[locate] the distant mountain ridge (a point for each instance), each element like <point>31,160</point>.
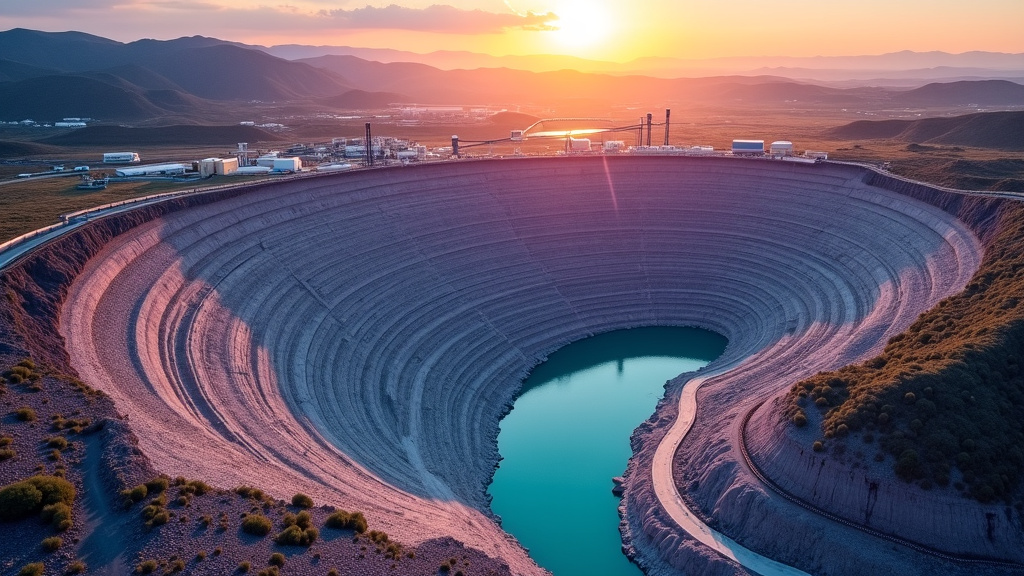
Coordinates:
<point>47,76</point>
<point>924,65</point>
<point>203,67</point>
<point>1001,130</point>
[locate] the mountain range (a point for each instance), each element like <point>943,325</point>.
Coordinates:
<point>48,76</point>
<point>895,66</point>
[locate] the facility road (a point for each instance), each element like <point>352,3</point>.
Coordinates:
<point>668,494</point>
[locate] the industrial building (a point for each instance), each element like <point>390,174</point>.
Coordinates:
<point>748,147</point>
<point>121,157</point>
<point>782,148</point>
<point>217,166</point>
<point>152,170</point>
<point>578,145</point>
<point>288,164</point>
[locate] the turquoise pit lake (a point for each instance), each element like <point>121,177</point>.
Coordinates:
<point>568,435</point>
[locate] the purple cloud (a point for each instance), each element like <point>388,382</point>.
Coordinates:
<point>437,18</point>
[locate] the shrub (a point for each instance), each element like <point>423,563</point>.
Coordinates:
<point>799,418</point>
<point>136,494</point>
<point>244,567</point>
<point>52,544</point>
<point>6,441</point>
<point>201,555</point>
<point>58,442</point>
<point>256,524</point>
<point>76,567</point>
<point>58,514</point>
<point>146,567</point>
<point>33,569</point>
<point>908,465</point>
<point>302,520</point>
<point>25,414</point>
<point>19,500</point>
<point>176,566</point>
<point>295,536</point>
<point>277,559</point>
<point>818,446</point>
<point>7,454</point>
<point>302,501</point>
<point>35,494</point>
<point>159,519</point>
<point>196,487</point>
<point>250,492</point>
<point>343,520</point>
<point>157,485</point>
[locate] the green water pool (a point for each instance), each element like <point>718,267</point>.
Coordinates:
<point>568,435</point>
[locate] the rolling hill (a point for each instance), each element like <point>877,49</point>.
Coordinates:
<point>1000,130</point>
<point>963,93</point>
<point>197,135</point>
<point>205,67</point>
<point>47,98</point>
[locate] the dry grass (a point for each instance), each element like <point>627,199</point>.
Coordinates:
<point>29,205</point>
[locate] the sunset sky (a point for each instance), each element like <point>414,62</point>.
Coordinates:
<point>597,29</point>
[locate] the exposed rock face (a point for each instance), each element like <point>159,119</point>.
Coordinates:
<point>359,337</point>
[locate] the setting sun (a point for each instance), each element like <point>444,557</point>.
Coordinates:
<point>581,23</point>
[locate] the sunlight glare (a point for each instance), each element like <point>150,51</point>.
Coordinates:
<point>582,23</point>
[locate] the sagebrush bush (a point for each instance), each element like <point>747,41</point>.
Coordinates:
<point>295,536</point>
<point>76,567</point>
<point>33,569</point>
<point>52,544</point>
<point>157,485</point>
<point>25,414</point>
<point>257,525</point>
<point>136,493</point>
<point>343,520</point>
<point>58,442</point>
<point>277,559</point>
<point>302,501</point>
<point>38,494</point>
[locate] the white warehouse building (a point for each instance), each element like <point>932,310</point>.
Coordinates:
<point>120,157</point>
<point>782,148</point>
<point>152,170</point>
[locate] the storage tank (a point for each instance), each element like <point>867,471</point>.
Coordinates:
<point>782,148</point>
<point>748,147</point>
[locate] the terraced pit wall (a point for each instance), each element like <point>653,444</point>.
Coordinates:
<point>358,337</point>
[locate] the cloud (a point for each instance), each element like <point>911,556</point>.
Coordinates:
<point>437,18</point>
